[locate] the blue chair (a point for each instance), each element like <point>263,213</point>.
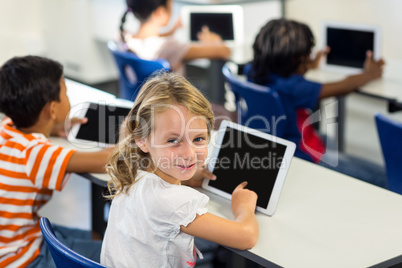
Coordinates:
<point>390,135</point>
<point>133,71</point>
<point>63,256</point>
<point>257,106</point>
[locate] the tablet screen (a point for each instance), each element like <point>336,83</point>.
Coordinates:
<point>103,123</point>
<point>348,46</point>
<point>246,157</point>
<point>220,23</point>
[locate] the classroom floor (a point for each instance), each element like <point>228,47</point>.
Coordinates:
<point>72,206</point>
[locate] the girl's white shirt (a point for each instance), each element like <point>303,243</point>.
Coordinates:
<point>144,225</point>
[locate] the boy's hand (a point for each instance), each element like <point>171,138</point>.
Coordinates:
<point>196,180</point>
<point>372,67</point>
<point>243,200</point>
<point>315,62</point>
<point>206,36</point>
<point>62,129</point>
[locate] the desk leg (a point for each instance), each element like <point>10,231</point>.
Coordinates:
<point>341,122</point>
<point>216,81</point>
<point>99,209</point>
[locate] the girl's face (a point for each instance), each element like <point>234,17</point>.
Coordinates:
<point>177,145</point>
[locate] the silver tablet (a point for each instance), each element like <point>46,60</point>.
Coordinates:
<point>349,43</point>
<point>104,120</point>
<point>242,154</point>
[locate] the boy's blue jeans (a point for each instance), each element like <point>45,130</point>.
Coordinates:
<point>78,240</point>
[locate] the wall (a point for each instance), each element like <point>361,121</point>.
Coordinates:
<point>21,30</point>
<point>68,31</point>
<point>385,13</point>
<point>361,137</point>
<point>58,29</point>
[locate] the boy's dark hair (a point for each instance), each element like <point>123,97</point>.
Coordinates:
<point>279,48</point>
<point>141,9</point>
<point>27,84</point>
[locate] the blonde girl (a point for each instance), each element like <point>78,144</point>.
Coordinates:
<point>153,217</point>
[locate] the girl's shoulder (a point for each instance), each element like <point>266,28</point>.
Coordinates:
<point>168,197</point>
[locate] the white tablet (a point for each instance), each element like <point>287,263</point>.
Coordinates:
<point>225,20</point>
<point>104,120</point>
<point>244,154</point>
<point>348,43</point>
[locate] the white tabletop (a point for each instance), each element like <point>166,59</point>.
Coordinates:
<point>323,219</point>
<point>389,86</point>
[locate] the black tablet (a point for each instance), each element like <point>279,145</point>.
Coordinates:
<point>349,43</point>
<point>104,121</point>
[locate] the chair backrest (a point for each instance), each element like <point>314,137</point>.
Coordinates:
<point>257,106</point>
<point>390,135</point>
<point>63,256</point>
<point>133,71</point>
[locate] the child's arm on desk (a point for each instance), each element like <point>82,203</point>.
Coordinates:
<point>241,233</point>
<point>372,70</point>
<point>80,162</point>
<point>92,162</point>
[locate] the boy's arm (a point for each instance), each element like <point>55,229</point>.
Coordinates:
<point>372,70</point>
<point>241,233</point>
<point>92,162</point>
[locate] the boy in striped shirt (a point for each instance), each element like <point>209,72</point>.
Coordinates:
<point>33,97</point>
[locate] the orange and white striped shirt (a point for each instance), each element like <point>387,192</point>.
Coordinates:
<point>30,169</point>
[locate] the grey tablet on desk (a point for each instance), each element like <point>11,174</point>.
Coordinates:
<point>104,121</point>
<point>244,154</point>
<point>348,43</point>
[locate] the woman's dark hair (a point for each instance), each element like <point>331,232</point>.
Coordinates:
<point>279,48</point>
<point>142,10</point>
<point>27,84</point>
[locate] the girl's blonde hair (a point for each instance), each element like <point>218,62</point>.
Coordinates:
<point>156,95</point>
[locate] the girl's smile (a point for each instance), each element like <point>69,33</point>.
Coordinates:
<point>185,168</point>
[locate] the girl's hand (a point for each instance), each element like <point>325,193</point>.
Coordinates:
<point>243,200</point>
<point>196,180</point>
<point>206,36</point>
<point>62,129</point>
<point>373,68</point>
<point>176,26</point>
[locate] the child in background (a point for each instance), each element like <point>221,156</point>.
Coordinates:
<point>281,58</point>
<point>149,44</point>
<point>33,97</point>
<point>153,217</point>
